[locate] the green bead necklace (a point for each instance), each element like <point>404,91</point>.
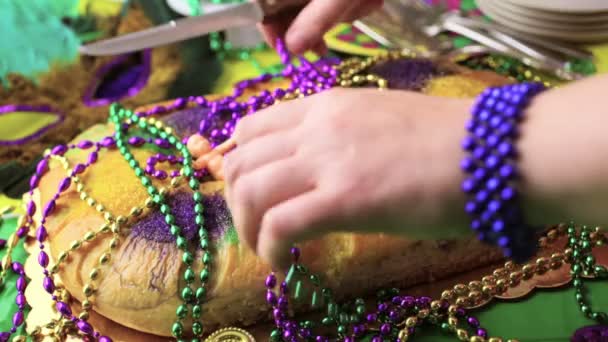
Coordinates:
<point>191,298</point>
<point>340,317</point>
<point>584,264</point>
<point>195,8</point>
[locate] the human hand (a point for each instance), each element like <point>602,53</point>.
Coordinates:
<point>346,159</point>
<point>204,157</point>
<point>304,30</point>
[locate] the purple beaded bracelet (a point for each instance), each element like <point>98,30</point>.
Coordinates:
<point>496,215</point>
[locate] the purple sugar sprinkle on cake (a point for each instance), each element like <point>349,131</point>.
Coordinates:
<point>217,219</point>
<point>186,122</point>
<point>406,74</point>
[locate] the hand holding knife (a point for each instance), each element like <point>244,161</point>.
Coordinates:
<point>247,13</point>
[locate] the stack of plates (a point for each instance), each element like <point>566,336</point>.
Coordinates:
<point>567,20</point>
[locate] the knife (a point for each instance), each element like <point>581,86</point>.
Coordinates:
<point>243,14</point>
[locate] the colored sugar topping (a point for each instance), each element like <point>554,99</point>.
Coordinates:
<point>217,219</point>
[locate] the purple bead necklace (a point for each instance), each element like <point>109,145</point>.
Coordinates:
<point>19,316</point>
<point>306,79</point>
<point>395,317</point>
<point>42,235</point>
<point>219,123</point>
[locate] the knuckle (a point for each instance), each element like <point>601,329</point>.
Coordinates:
<point>242,193</point>
<point>243,125</point>
<point>274,224</point>
<point>270,221</point>
<point>230,167</point>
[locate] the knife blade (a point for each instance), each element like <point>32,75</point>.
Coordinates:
<point>243,14</point>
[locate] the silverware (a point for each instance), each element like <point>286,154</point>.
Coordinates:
<point>408,25</point>
<point>373,33</point>
<point>247,13</point>
<point>509,46</point>
<point>399,25</point>
<point>506,45</point>
<point>411,17</point>
<point>443,49</point>
<point>468,50</point>
<point>563,48</point>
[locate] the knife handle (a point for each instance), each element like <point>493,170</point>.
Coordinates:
<point>273,8</point>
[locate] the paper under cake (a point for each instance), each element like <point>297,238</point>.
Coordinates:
<point>136,291</point>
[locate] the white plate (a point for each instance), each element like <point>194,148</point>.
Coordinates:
<point>596,18</point>
<point>572,6</point>
<point>525,17</point>
<point>565,34</point>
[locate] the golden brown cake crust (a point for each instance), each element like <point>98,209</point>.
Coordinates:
<point>140,286</point>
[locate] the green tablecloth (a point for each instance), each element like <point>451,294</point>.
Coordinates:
<point>7,296</point>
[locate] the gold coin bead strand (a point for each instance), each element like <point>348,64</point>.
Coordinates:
<point>508,67</point>
<point>111,225</point>
<point>190,297</point>
<point>351,320</point>
<point>352,70</point>
<point>59,295</point>
<point>474,294</point>
<point>501,279</point>
<point>62,328</point>
<point>68,322</point>
<point>24,225</point>
<point>101,209</point>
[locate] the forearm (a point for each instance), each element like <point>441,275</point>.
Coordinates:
<point>564,154</point>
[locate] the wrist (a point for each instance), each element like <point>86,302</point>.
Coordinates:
<point>439,211</point>
<point>564,157</point>
<point>449,154</point>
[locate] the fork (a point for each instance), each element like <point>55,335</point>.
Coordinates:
<point>414,19</point>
